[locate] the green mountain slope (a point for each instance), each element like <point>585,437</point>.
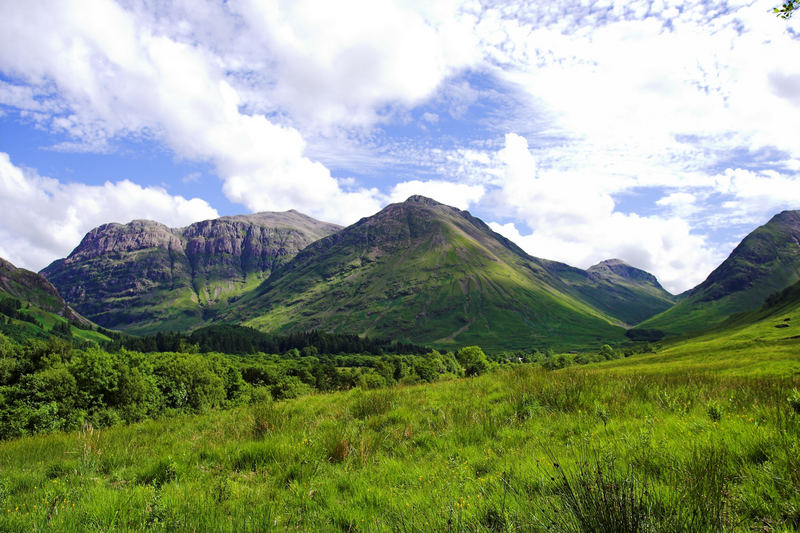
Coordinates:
<point>763,341</point>
<point>428,273</point>
<point>766,261</point>
<point>34,289</point>
<point>143,277</point>
<point>31,308</point>
<point>616,288</point>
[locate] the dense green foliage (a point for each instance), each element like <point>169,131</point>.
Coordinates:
<point>701,435</point>
<point>48,385</point>
<point>234,339</point>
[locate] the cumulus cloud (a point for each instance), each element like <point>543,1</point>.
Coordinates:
<point>42,219</point>
<point>340,62</point>
<point>118,74</point>
<point>574,220</point>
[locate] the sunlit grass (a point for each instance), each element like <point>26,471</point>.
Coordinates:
<point>465,455</point>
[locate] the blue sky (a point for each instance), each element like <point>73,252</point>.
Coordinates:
<point>659,132</point>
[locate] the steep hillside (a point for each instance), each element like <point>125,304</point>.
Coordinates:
<point>31,308</point>
<point>429,273</point>
<point>765,262</point>
<point>616,288</point>
<point>143,276</point>
<point>32,288</point>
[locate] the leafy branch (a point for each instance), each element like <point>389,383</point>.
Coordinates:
<point>787,9</point>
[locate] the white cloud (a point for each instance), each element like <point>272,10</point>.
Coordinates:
<point>755,196</point>
<point>458,195</point>
<point>573,219</point>
<point>118,74</point>
<point>682,204</point>
<point>339,63</point>
<point>651,100</point>
<point>42,219</point>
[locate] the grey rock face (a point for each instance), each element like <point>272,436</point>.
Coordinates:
<point>143,276</point>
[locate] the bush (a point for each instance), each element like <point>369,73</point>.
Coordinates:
<point>289,387</point>
<point>714,411</point>
<point>473,360</point>
<point>794,401</point>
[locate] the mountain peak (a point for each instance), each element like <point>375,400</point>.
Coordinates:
<point>624,270</point>
<point>121,275</point>
<point>610,263</point>
<point>419,199</point>
<point>791,218</point>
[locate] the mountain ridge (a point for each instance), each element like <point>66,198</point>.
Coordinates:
<point>766,261</point>
<point>144,276</point>
<point>426,272</point>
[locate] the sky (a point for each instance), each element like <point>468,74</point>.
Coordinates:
<point>658,132</point>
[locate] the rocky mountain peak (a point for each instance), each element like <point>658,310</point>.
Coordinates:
<point>123,275</point>
<point>618,267</point>
<point>419,199</point>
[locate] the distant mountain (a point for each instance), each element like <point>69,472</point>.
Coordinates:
<point>429,273</point>
<point>616,288</point>
<point>765,262</point>
<point>31,288</point>
<point>143,277</point>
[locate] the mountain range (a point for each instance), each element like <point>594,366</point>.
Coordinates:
<point>143,277</point>
<point>425,271</point>
<point>417,271</point>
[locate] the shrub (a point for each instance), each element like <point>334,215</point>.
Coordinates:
<point>289,387</point>
<point>794,401</point>
<point>714,411</point>
<point>473,360</point>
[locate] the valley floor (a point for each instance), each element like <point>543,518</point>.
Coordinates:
<point>607,447</point>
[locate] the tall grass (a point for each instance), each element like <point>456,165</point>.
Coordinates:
<point>635,452</point>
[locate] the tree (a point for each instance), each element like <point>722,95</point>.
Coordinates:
<point>787,9</point>
<point>473,360</point>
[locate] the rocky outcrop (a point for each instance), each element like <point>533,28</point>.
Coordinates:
<point>143,276</point>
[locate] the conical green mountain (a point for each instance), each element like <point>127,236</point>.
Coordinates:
<point>765,262</point>
<point>429,273</point>
<point>143,277</point>
<point>616,288</point>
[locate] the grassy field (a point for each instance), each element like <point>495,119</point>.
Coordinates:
<point>666,442</point>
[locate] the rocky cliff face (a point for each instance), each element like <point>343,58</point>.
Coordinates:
<point>143,276</point>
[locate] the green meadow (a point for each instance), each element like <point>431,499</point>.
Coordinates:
<point>703,435</point>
